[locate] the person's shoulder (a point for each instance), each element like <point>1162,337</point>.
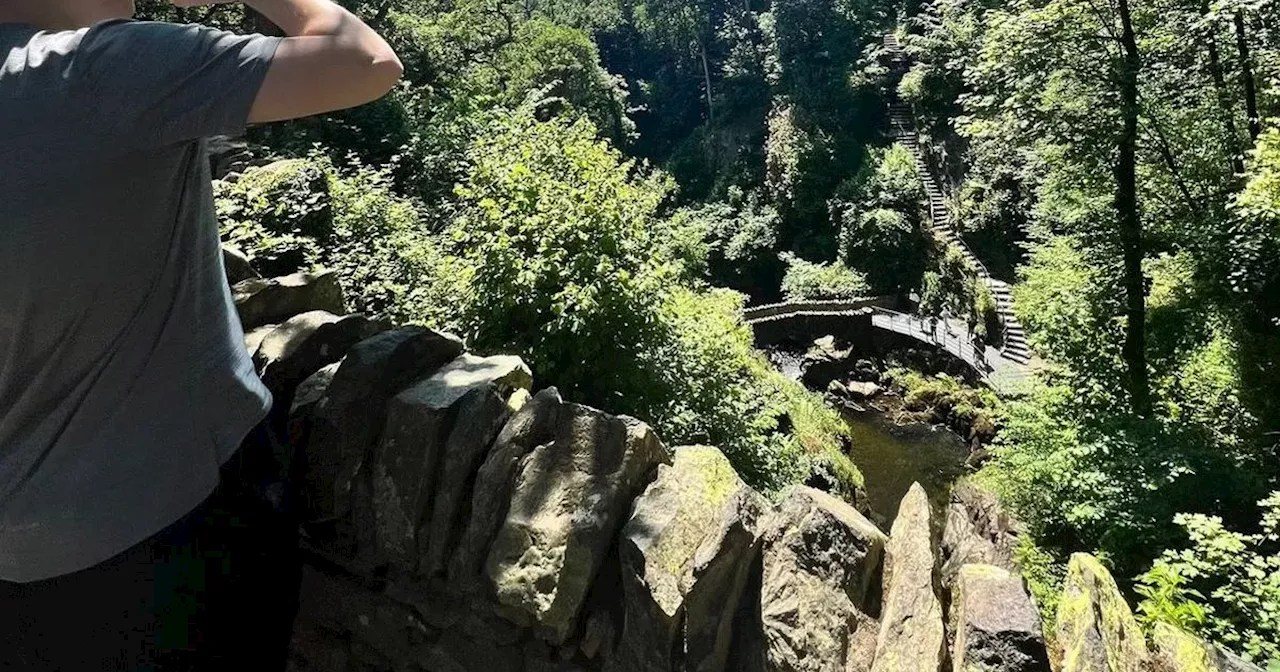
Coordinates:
<point>131,33</point>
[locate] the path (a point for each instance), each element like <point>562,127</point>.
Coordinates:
<point>1015,349</point>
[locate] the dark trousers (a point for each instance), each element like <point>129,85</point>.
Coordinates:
<point>216,590</point>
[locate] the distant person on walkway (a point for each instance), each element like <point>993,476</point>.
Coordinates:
<point>125,389</point>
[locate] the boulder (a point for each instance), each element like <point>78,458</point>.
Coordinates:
<point>304,344</point>
<point>1180,651</point>
<point>532,425</point>
<point>911,629</point>
<point>995,624</point>
<point>425,424</point>
<point>976,531</point>
<point>570,498</point>
<point>862,391</point>
<point>305,400</point>
<point>1095,628</point>
<point>1176,650</point>
<point>820,560</point>
<point>685,555</point>
<point>254,337</point>
<point>352,413</point>
<point>275,300</point>
<point>236,265</point>
<point>824,362</point>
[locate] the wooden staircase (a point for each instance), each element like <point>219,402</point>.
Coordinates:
<point>903,130</point>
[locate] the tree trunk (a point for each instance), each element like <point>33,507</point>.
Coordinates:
<point>706,74</point>
<point>1220,91</point>
<point>1246,77</point>
<point>1126,203</point>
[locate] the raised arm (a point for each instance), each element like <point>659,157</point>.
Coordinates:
<point>330,60</point>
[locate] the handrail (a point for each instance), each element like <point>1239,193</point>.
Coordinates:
<point>892,43</point>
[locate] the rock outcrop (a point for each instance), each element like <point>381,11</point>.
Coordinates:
<point>568,503</point>
<point>1095,628</point>
<point>236,265</point>
<point>821,562</point>
<point>685,555</point>
<point>995,624</point>
<point>911,629</point>
<point>290,352</point>
<point>977,531</point>
<point>1176,650</point>
<point>350,417</point>
<point>274,300</point>
<point>436,433</point>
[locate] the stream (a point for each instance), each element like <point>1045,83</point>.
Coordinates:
<point>892,456</point>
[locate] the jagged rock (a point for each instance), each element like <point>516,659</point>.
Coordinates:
<point>305,400</point>
<point>262,302</point>
<point>532,425</point>
<point>685,556</point>
<point>237,265</point>
<point>426,425</point>
<point>350,417</point>
<point>825,361</point>
<point>819,562</point>
<point>569,501</point>
<point>995,624</point>
<point>1095,628</point>
<point>911,630</point>
<point>976,531</point>
<point>304,344</point>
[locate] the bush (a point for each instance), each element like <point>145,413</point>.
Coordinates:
<point>806,280</point>
<point>879,218</point>
<point>279,215</point>
<point>1225,585</point>
<point>566,263</point>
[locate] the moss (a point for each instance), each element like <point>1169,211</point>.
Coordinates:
<point>701,482</point>
<point>1095,627</point>
<point>1180,650</point>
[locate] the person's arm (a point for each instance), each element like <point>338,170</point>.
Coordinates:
<point>330,60</point>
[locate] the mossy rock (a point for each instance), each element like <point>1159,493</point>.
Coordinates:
<point>1179,651</point>
<point>1096,630</point>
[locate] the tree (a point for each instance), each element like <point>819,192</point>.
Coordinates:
<point>1126,203</point>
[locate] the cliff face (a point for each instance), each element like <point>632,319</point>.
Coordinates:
<point>460,519</point>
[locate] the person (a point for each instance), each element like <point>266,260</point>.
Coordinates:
<point>139,527</point>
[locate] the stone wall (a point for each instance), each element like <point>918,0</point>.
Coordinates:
<point>460,519</point>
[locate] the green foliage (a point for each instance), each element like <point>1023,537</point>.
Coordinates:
<point>880,220</point>
<point>1240,575</point>
<point>558,240</point>
<point>278,215</point>
<point>805,280</point>
<point>729,244</point>
<point>557,235</point>
<point>956,289</point>
<point>388,262</point>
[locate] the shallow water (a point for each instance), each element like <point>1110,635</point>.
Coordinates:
<point>893,457</point>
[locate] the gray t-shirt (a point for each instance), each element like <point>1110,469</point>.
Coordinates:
<point>124,382</point>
